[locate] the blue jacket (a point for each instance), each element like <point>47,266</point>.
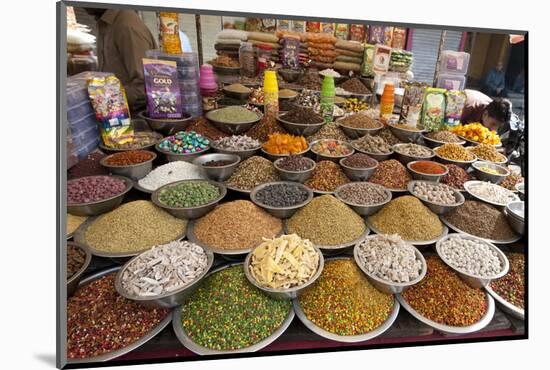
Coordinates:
<point>494,79</point>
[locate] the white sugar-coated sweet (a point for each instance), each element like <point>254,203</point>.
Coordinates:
<point>474,257</point>
<point>436,193</point>
<point>492,192</point>
<point>389,258</point>
<point>170,172</point>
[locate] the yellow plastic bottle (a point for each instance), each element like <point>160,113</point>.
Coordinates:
<point>271,94</point>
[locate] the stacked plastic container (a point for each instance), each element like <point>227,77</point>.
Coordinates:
<point>452,70</point>
<point>188,76</point>
<point>81,122</point>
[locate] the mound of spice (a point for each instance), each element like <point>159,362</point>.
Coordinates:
<point>327,221</point>
<point>444,136</point>
<point>75,259</point>
<point>227,312</point>
<point>413,150</point>
<point>331,148</point>
<point>487,152</point>
<point>284,262</point>
<point>511,181</point>
<point>482,220</point>
<point>236,143</point>
<point>93,189</point>
<point>164,269</point>
<point>232,114</point>
<point>285,144</point>
<point>203,127</point>
<point>456,177</point>
<point>295,163</point>
<point>360,160</point>
<point>74,222</point>
<point>359,120</point>
<point>409,218</point>
<point>471,256</point>
<point>225,60</point>
<point>302,115</point>
<point>327,176</point>
<point>371,144</point>
<point>95,325</point>
<point>184,142</point>
<point>252,172</point>
<point>237,88</point>
<point>388,136</point>
<point>428,167</point>
<point>171,172</point>
<point>354,85</point>
<point>310,80</point>
<point>88,166</point>
<point>343,302</point>
<point>329,131</point>
<point>189,194</point>
<point>511,287</point>
<point>140,140</point>
<point>282,195</point>
<point>362,193</point>
<point>442,296</point>
<point>236,225</point>
<point>268,125</point>
<point>391,174</point>
<point>287,93</point>
<point>454,152</point>
<point>128,158</point>
<point>133,227</point>
<point>435,193</point>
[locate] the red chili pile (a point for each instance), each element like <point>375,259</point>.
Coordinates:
<point>442,296</point>
<point>99,320</point>
<point>93,189</point>
<point>456,177</point>
<point>428,167</point>
<point>511,286</point>
<point>128,158</point>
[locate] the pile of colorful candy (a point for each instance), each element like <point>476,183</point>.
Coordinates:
<point>332,148</point>
<point>185,142</point>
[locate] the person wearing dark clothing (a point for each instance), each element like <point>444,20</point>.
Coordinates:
<point>519,82</point>
<point>494,82</point>
<point>493,114</point>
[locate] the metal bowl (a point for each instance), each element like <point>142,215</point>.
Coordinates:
<point>237,95</point>
<point>378,156</point>
<point>130,347</point>
<point>273,157</point>
<point>505,305</point>
<point>456,229</point>
<point>133,171</point>
<point>516,222</point>
<point>364,210</point>
<point>406,135</point>
<point>324,157</point>
<point>385,286</point>
<point>491,177</point>
<point>296,176</point>
<point>72,282</point>
<point>469,184</point>
<point>189,213</point>
<point>243,154</point>
<point>219,173</point>
<point>137,186</point>
<point>432,143</point>
<point>223,70</point>
<point>284,294</point>
<point>167,126</point>
<point>187,157</point>
<point>169,299</point>
<point>233,128</point>
<point>424,176</point>
<point>485,320</point>
<point>355,133</point>
<point>188,343</point>
<point>463,164</point>
<point>100,206</point>
<point>357,174</point>
<point>238,190</point>
<point>437,208</point>
<point>417,243</point>
<point>289,74</point>
<point>300,129</point>
<point>281,212</point>
<point>405,158</point>
<point>520,188</point>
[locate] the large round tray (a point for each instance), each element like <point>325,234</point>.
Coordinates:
<point>114,354</point>
<point>413,242</point>
<point>452,227</point>
<point>200,350</point>
<point>346,338</point>
<point>467,185</point>
<point>485,320</point>
<point>505,305</point>
<point>80,238</point>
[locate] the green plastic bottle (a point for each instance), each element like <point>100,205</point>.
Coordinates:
<point>328,92</point>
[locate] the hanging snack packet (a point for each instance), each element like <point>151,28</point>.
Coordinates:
<point>170,33</point>
<point>368,57</point>
<point>433,110</point>
<point>456,100</point>
<point>290,52</point>
<point>162,88</point>
<point>111,110</point>
<point>413,98</point>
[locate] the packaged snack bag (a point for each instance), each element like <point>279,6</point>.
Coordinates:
<point>399,38</point>
<point>357,32</point>
<point>327,28</point>
<point>433,109</point>
<point>413,98</point>
<point>368,56</point>
<point>162,88</point>
<point>381,59</point>
<point>290,52</point>
<point>342,31</point>
<point>299,26</point>
<point>455,101</point>
<point>314,27</point>
<point>283,25</point>
<point>170,33</point>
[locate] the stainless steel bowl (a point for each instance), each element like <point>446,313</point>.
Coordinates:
<point>473,280</point>
<point>233,128</point>
<point>357,174</point>
<point>516,221</point>
<point>100,206</point>
<point>300,129</point>
<point>219,173</point>
<point>458,230</point>
<point>189,212</point>
<point>378,156</point>
<point>166,300</point>
<point>385,286</point>
<point>432,143</point>
<point>469,184</point>
<point>289,74</point>
<point>236,95</point>
<point>296,176</point>
<point>284,294</point>
<point>167,126</point>
<point>437,208</point>
<point>72,282</point>
<point>416,243</point>
<point>187,157</point>
<point>491,177</point>
<point>364,210</point>
<point>505,305</point>
<point>274,157</point>
<point>134,171</point>
<point>324,157</point>
<point>243,154</point>
<point>463,164</point>
<point>407,136</point>
<point>405,158</point>
<point>280,212</point>
<point>355,133</point>
<point>520,188</point>
<point>424,176</point>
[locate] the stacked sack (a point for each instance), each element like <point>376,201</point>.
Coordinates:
<point>286,39</point>
<point>266,39</point>
<point>350,55</point>
<point>229,41</point>
<point>321,49</point>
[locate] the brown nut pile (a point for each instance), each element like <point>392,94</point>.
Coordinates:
<point>487,152</point>
<point>454,152</point>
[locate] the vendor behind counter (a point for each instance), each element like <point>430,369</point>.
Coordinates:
<point>493,114</point>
